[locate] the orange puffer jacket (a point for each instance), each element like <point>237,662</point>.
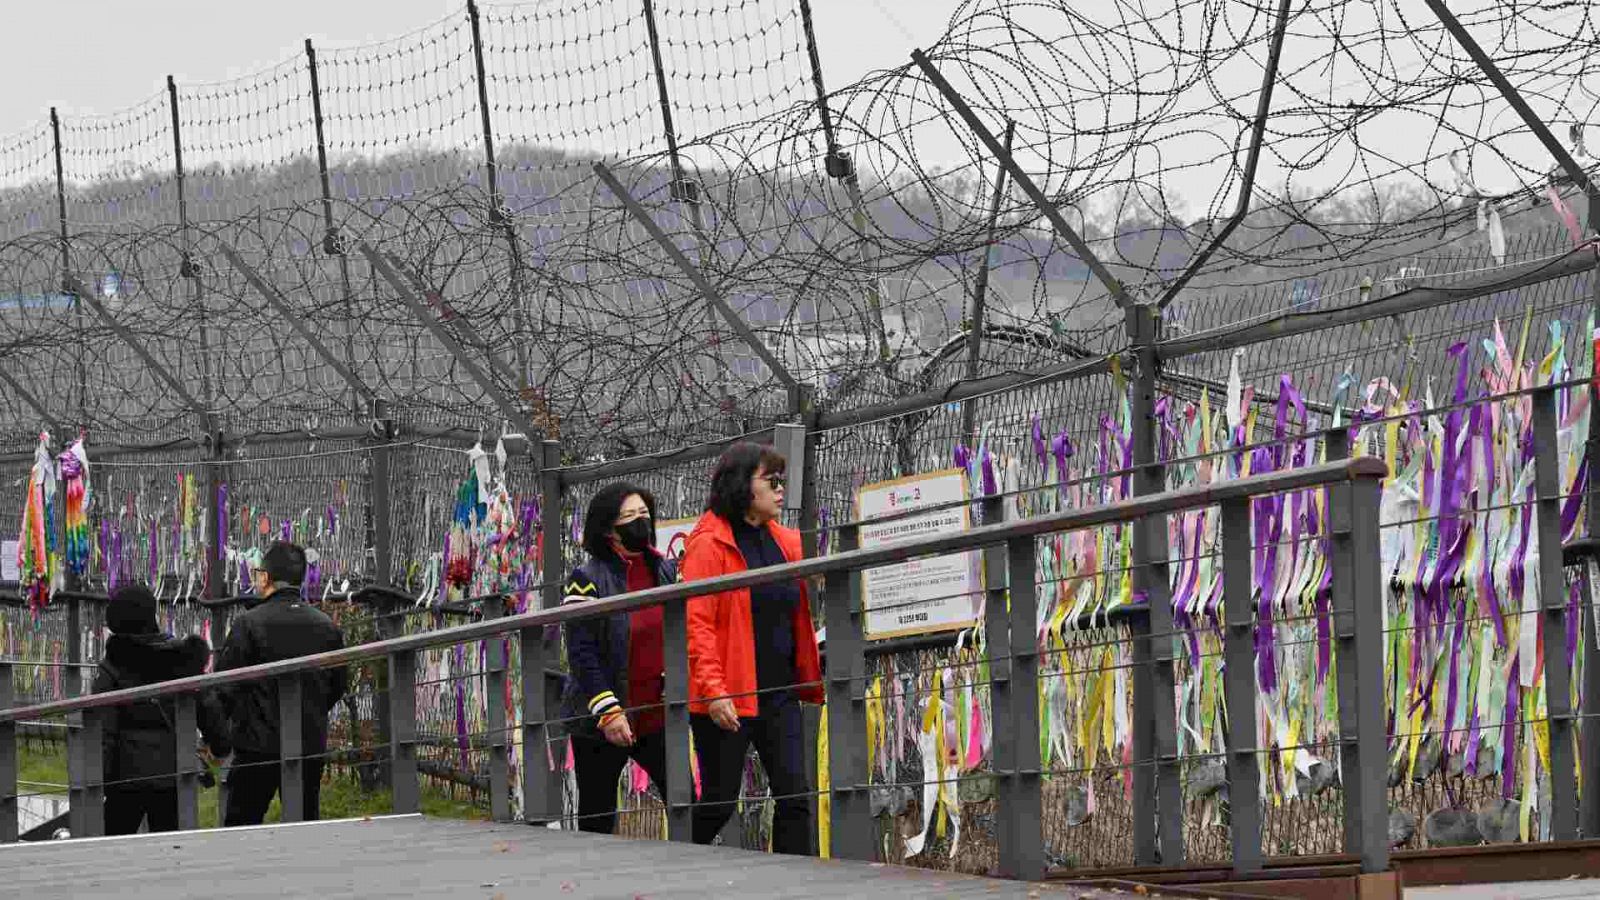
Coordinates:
<point>722,657</point>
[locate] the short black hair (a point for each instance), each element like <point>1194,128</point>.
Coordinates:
<point>729,496</point>
<point>285,563</point>
<point>604,507</point>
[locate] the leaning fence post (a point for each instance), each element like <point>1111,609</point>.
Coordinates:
<point>494,683</point>
<point>184,723</point>
<point>1553,613</point>
<point>8,760</point>
<point>291,749</point>
<point>403,730</point>
<point>1239,687</point>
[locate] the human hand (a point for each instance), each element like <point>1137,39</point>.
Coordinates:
<point>617,731</point>
<point>723,713</point>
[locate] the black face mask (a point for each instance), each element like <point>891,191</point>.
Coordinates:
<point>636,536</point>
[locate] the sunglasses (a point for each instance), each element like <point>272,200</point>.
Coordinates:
<point>776,482</point>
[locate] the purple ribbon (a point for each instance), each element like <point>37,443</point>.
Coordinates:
<point>1508,732</point>
<point>1061,447</point>
<point>1039,448</point>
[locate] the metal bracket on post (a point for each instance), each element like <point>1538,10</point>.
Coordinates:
<point>441,334</point>
<point>711,294</point>
<point>1269,77</point>
<point>1044,204</point>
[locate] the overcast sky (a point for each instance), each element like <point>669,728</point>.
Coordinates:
<point>99,56</point>
<point>102,55</point>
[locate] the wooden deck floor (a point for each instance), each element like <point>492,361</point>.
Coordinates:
<point>411,856</point>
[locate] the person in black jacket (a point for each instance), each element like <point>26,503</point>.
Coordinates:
<point>138,740</point>
<point>613,694</point>
<point>282,626</point>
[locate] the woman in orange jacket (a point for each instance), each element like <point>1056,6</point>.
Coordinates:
<point>752,652</point>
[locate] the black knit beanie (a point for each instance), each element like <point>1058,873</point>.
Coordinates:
<point>132,610</point>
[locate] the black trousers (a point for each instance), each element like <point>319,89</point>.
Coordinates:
<point>778,734</point>
<point>127,805</point>
<point>598,763</point>
<point>254,780</point>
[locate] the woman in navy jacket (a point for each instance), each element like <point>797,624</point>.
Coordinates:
<point>614,689</point>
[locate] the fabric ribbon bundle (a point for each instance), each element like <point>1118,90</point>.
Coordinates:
<point>38,547</point>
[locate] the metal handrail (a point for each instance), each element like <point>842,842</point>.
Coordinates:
<point>848,561</point>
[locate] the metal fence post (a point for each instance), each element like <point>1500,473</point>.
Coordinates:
<point>1021,797</point>
<point>216,520</point>
<point>497,210</point>
<point>74,680</point>
<point>1158,806</point>
<point>540,804</point>
<point>184,725</point>
<point>86,796</point>
<point>1589,729</point>
<point>678,792</point>
<point>1358,603</point>
<point>553,558</point>
<point>997,633</point>
<point>849,803</point>
<point>291,749</point>
<point>403,731</point>
<point>82,372</point>
<point>1553,619</point>
<point>1239,687</point>
<point>494,684</point>
<point>8,760</point>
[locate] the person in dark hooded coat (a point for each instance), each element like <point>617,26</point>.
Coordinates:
<point>139,749</point>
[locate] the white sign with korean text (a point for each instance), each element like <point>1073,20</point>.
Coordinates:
<point>922,595</point>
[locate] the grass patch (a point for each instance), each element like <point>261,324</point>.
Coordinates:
<point>41,763</point>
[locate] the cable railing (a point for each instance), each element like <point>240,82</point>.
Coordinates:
<point>1011,654</point>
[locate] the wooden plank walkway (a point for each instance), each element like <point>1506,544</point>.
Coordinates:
<point>412,856</point>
